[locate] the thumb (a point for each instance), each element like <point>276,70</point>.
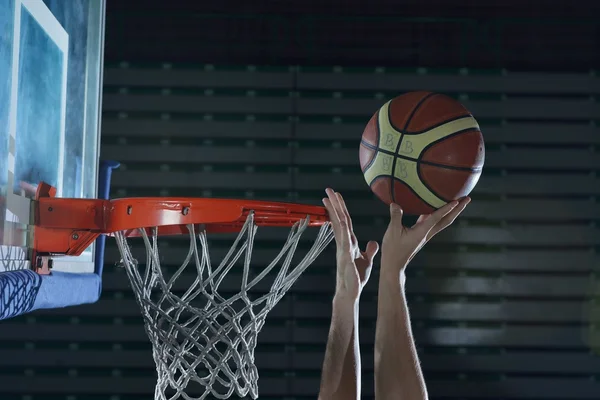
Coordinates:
<point>396,212</point>
<point>371,250</point>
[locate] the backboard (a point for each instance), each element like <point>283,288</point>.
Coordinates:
<point>51,56</point>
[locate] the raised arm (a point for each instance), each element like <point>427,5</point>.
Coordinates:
<point>398,374</point>
<point>340,378</point>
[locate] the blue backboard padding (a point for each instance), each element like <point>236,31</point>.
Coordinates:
<point>104,175</point>
<point>62,289</point>
<point>18,292</point>
<point>24,291</point>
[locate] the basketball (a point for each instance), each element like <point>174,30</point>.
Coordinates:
<point>422,150</point>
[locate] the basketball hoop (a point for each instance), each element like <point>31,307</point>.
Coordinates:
<point>203,342</point>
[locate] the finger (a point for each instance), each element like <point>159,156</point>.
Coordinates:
<point>432,219</point>
<point>340,226</point>
<point>344,209</point>
<point>335,200</point>
<point>449,218</point>
<point>340,229</point>
<point>371,250</point>
<point>333,217</point>
<point>396,213</point>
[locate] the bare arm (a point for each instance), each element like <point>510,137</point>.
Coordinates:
<point>398,374</point>
<point>341,367</point>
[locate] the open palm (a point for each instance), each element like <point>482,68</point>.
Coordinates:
<point>402,243</point>
<point>353,265</point>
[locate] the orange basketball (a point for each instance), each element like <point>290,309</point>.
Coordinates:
<point>422,150</point>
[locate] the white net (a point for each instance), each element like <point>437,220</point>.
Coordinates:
<point>203,343</point>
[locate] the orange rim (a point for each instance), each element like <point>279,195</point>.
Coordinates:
<point>69,226</point>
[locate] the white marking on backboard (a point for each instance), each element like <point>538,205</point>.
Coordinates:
<point>48,22</point>
<point>44,17</point>
<point>12,114</point>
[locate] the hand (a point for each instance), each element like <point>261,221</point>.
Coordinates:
<point>401,244</point>
<point>353,265</point>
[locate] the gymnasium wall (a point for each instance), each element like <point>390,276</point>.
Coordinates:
<point>536,35</point>
<point>502,304</point>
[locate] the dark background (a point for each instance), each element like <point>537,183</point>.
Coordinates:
<point>533,35</point>
<point>267,99</point>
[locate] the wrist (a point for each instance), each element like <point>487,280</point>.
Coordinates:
<point>345,300</point>
<point>394,263</point>
<point>393,278</point>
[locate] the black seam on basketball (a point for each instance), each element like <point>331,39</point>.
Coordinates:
<point>444,166</point>
<point>366,167</point>
<point>370,146</point>
<point>376,149</point>
<point>393,171</point>
<point>376,179</point>
<point>390,153</point>
<point>431,144</point>
<point>411,189</point>
<point>377,132</point>
<point>410,117</point>
<point>424,182</point>
<point>412,113</point>
<point>437,125</point>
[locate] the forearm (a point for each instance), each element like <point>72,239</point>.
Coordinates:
<point>398,374</point>
<point>341,367</point>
